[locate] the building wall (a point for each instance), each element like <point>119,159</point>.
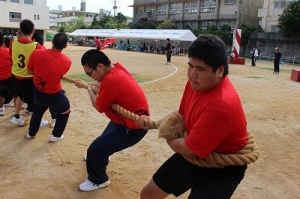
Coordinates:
<point>199,13</point>
<point>269,14</point>
<point>38,14</point>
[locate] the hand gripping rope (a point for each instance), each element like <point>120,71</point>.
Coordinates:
<point>172,127</point>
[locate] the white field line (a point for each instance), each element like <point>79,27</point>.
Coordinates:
<point>165,77</point>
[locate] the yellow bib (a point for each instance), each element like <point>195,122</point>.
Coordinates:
<point>20,56</point>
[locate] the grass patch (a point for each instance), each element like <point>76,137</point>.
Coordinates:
<point>282,70</point>
<point>88,79</point>
<point>140,79</point>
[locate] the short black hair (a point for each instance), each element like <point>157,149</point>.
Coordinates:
<point>38,38</point>
<point>7,41</point>
<point>168,39</point>
<point>210,49</point>
<point>60,41</point>
<point>93,57</point>
<point>26,27</point>
<point>1,38</point>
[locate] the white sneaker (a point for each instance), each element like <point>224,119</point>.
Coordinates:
<point>29,137</point>
<point>44,122</point>
<point>19,121</point>
<point>24,106</point>
<point>2,111</point>
<point>90,186</point>
<point>54,139</point>
<point>53,121</point>
<point>10,104</point>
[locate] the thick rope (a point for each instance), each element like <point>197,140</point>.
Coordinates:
<point>173,127</point>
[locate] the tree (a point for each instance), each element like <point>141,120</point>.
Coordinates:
<point>61,29</point>
<point>246,32</point>
<point>167,24</point>
<point>120,18</point>
<point>95,23</point>
<point>289,20</point>
<point>145,25</point>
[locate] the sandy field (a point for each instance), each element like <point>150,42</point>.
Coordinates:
<point>39,169</point>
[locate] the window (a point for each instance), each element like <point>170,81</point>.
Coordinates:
<point>281,4</point>
<point>15,17</point>
<point>190,6</point>
<point>15,1</point>
<point>161,9</point>
<point>229,1</point>
<point>34,17</point>
<point>38,17</point>
<point>274,29</point>
<point>175,8</point>
<point>208,5</point>
<point>28,2</point>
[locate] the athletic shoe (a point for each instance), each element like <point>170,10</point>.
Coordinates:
<point>10,104</point>
<point>2,111</point>
<point>24,106</point>
<point>29,137</point>
<point>53,121</point>
<point>90,186</point>
<point>19,121</point>
<point>54,139</point>
<point>44,122</point>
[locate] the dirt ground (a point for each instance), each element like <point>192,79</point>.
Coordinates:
<point>39,169</point>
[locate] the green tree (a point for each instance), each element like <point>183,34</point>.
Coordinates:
<point>197,32</point>
<point>145,25</point>
<point>95,23</point>
<point>167,24</point>
<point>246,32</point>
<point>61,29</point>
<point>120,18</point>
<point>289,20</point>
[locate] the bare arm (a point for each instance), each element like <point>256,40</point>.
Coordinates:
<point>93,96</point>
<point>180,147</point>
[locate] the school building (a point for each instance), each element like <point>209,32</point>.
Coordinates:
<point>198,13</point>
<point>14,11</point>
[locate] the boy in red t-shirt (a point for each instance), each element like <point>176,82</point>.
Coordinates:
<point>98,43</point>
<point>215,122</point>
<point>116,85</point>
<point>47,90</point>
<point>5,74</point>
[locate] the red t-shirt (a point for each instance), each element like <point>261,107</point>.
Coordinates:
<point>97,42</point>
<point>48,67</point>
<point>119,87</point>
<point>215,120</point>
<point>5,64</point>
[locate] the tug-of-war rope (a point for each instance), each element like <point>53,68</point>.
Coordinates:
<point>172,127</point>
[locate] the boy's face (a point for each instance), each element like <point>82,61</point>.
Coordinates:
<point>201,75</point>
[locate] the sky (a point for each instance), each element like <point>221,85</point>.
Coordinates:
<point>94,5</point>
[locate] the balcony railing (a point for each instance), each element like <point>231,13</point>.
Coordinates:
<point>15,19</point>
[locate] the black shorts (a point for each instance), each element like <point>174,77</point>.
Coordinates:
<point>177,175</point>
<point>6,87</point>
<point>24,89</point>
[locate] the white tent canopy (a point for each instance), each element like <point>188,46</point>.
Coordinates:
<point>161,34</point>
<point>94,32</point>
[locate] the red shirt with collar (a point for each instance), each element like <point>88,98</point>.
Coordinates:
<point>5,63</point>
